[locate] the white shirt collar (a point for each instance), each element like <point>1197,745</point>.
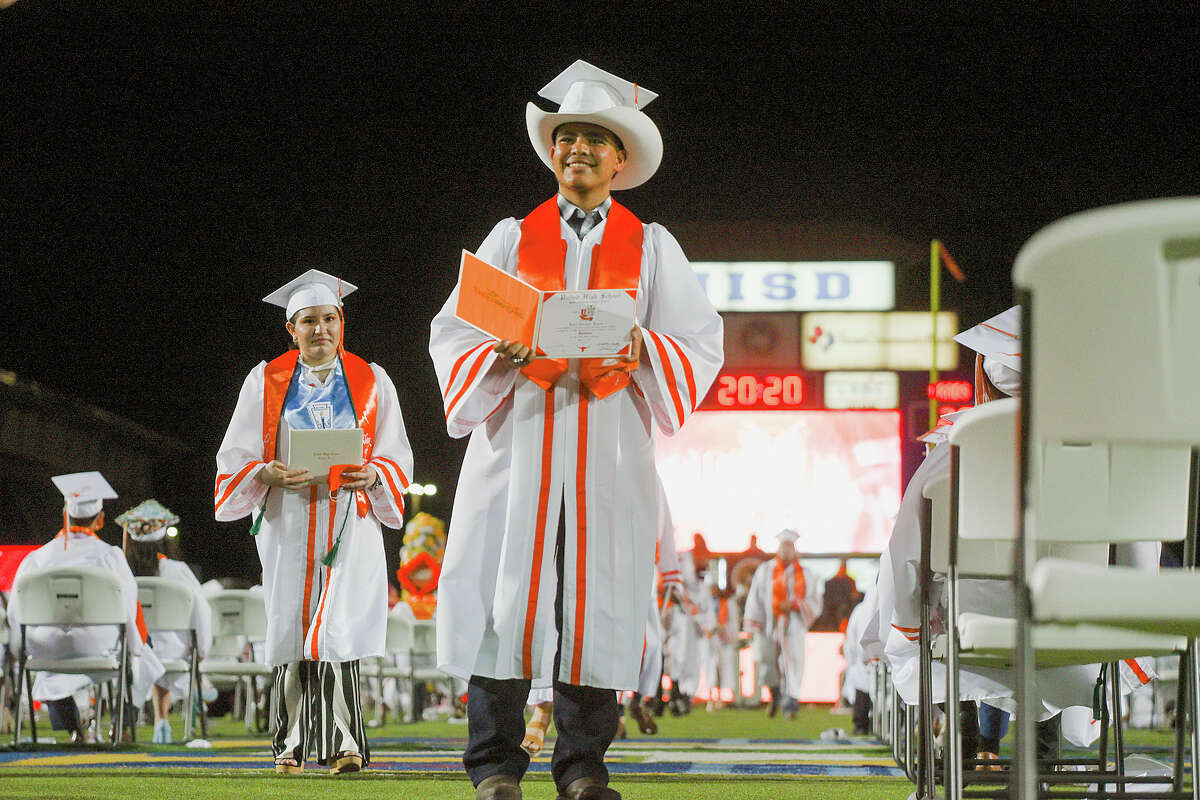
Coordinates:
<point>567,209</point>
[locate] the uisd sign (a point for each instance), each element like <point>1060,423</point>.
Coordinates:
<point>798,285</point>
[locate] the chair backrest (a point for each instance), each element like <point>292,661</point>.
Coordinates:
<point>937,492</point>
<point>79,595</point>
<point>1113,369</point>
<point>399,637</point>
<point>1095,491</point>
<point>239,612</point>
<point>167,605</point>
<point>424,635</point>
<point>1110,337</point>
<point>985,440</point>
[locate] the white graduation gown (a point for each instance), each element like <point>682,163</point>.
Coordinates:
<point>789,639</point>
<point>347,610</point>
<point>667,564</point>
<point>169,645</point>
<point>69,641</point>
<point>685,630</point>
<point>899,619</point>
<point>859,675</point>
<point>499,570</point>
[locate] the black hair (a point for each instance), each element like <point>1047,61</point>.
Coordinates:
<point>620,144</point>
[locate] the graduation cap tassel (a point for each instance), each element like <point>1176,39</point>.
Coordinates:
<point>332,554</point>
<point>258,519</point>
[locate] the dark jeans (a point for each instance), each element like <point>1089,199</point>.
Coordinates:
<point>64,714</point>
<point>585,717</point>
<point>993,725</point>
<point>862,712</point>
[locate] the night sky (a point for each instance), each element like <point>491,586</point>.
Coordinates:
<point>162,171</point>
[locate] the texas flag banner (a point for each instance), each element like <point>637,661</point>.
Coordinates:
<point>587,323</point>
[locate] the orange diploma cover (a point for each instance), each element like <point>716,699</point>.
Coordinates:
<point>495,302</point>
<point>585,323</point>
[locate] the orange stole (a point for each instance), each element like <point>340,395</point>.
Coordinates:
<point>616,264</point>
<point>363,396</point>
<point>779,587</point>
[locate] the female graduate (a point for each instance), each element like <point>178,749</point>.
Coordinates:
<point>318,536</point>
<point>145,526</point>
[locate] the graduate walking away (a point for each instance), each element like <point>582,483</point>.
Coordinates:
<point>323,564</point>
<point>550,555</point>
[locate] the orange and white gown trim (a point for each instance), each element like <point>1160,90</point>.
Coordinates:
<point>315,612</point>
<point>535,453</point>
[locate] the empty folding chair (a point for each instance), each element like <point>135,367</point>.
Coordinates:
<point>83,596</point>
<point>239,619</point>
<point>1111,303</point>
<point>982,531</point>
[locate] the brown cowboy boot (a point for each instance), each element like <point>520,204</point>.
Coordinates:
<point>498,787</point>
<point>588,789</point>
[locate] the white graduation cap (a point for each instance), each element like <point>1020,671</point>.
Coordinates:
<point>998,340</point>
<point>787,535</point>
<point>313,288</point>
<point>85,492</point>
<point>589,94</point>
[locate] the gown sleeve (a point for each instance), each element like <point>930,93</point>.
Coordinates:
<point>472,383</point>
<point>755,617</point>
<point>391,455</point>
<point>239,460</point>
<point>682,336</point>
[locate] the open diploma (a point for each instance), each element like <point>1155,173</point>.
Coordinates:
<point>318,450</point>
<point>587,323</point>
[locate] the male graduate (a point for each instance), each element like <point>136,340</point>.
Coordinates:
<point>784,600</point>
<point>77,544</point>
<point>550,554</point>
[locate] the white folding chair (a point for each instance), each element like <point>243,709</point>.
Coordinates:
<point>82,596</point>
<point>417,640</point>
<point>1111,315</point>
<point>6,667</point>
<point>168,607</point>
<point>239,619</point>
<point>982,533</point>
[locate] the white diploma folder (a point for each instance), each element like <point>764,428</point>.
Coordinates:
<point>318,450</point>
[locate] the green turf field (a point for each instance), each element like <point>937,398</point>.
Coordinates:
<point>723,755</point>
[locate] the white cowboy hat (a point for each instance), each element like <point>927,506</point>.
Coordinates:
<point>589,94</point>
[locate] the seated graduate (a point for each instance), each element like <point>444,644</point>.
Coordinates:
<point>77,544</point>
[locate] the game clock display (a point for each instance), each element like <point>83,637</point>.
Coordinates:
<point>782,391</point>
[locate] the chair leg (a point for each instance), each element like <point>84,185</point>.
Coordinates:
<point>1182,694</point>
<point>1114,684</point>
<point>952,775</point>
<point>1193,676</point>
<point>189,707</point>
<point>17,701</point>
<point>32,716</point>
<point>122,683</point>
